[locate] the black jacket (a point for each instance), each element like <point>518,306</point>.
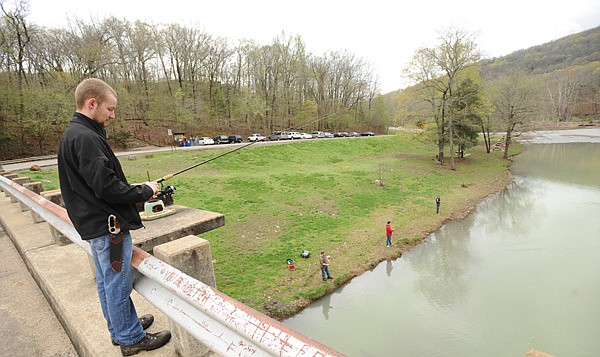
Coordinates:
<point>92,182</point>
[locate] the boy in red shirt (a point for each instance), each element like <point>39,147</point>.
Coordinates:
<point>388,234</point>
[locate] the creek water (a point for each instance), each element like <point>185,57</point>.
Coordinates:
<point>521,272</point>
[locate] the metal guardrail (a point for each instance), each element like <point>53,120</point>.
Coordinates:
<point>223,324</point>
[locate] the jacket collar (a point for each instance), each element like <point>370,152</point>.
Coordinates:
<point>89,122</point>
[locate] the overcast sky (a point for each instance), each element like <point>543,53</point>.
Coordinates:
<point>384,32</point>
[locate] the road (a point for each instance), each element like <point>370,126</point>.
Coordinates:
<point>45,162</point>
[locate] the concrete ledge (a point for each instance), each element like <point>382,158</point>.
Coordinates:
<point>64,277</point>
<point>185,221</point>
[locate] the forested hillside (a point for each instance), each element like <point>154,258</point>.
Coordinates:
<point>179,77</point>
<point>459,97</point>
<point>173,76</point>
<point>574,50</point>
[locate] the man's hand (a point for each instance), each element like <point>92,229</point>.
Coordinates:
<point>153,185</point>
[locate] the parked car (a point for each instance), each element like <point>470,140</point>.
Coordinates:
<point>206,141</point>
<point>305,136</point>
<point>353,134</point>
<point>340,134</point>
<point>221,139</point>
<point>318,134</point>
<point>279,135</point>
<point>235,139</point>
<point>367,133</point>
<point>295,135</point>
<point>328,135</point>
<point>256,137</point>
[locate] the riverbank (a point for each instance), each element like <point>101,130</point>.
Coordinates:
<point>413,224</point>
<point>461,291</point>
<point>332,195</point>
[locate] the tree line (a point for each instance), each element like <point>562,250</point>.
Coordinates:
<point>181,75</point>
<point>174,76</point>
<point>459,102</point>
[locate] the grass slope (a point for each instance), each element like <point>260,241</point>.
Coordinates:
<point>317,195</point>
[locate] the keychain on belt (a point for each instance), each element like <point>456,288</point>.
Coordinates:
<point>116,243</point>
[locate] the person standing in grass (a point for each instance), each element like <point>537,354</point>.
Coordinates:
<point>388,233</point>
<point>324,260</point>
<point>438,201</point>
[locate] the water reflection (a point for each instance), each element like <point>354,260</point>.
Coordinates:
<point>389,267</point>
<point>326,304</point>
<point>444,274</point>
<point>571,163</point>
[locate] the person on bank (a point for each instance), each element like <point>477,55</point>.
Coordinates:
<point>388,234</point>
<point>101,204</point>
<point>438,202</point>
<point>324,260</point>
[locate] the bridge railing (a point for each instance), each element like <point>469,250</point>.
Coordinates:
<point>220,322</point>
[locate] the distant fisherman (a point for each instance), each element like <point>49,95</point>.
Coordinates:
<point>388,234</point>
<point>324,260</point>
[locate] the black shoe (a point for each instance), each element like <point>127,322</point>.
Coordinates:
<point>145,320</point>
<point>329,277</point>
<point>150,342</point>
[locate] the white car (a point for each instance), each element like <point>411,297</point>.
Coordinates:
<point>206,141</point>
<point>256,137</point>
<point>306,136</point>
<point>295,135</point>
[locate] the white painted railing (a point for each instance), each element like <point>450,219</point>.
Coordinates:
<point>223,324</point>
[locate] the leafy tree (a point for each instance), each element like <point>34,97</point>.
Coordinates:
<point>436,72</point>
<point>467,114</point>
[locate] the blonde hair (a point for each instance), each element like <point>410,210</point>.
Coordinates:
<point>92,88</point>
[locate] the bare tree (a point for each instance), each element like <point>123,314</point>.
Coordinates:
<point>432,89</point>
<point>562,95</point>
<point>513,98</point>
<point>16,38</point>
<point>218,52</point>
<point>90,52</point>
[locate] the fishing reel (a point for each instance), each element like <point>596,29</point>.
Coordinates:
<point>166,194</point>
<point>155,207</point>
<point>167,190</point>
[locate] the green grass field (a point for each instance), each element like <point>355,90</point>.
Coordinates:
<point>332,195</point>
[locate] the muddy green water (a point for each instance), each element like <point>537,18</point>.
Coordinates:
<point>521,272</point>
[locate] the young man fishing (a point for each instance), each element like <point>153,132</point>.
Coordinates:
<point>101,204</point>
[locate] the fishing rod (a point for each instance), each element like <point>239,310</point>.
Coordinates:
<point>169,176</point>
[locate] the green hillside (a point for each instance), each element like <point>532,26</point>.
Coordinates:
<point>574,50</point>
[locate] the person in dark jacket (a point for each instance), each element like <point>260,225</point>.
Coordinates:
<point>101,204</point>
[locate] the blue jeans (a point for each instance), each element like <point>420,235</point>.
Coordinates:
<point>325,270</point>
<point>114,290</point>
<point>388,241</point>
